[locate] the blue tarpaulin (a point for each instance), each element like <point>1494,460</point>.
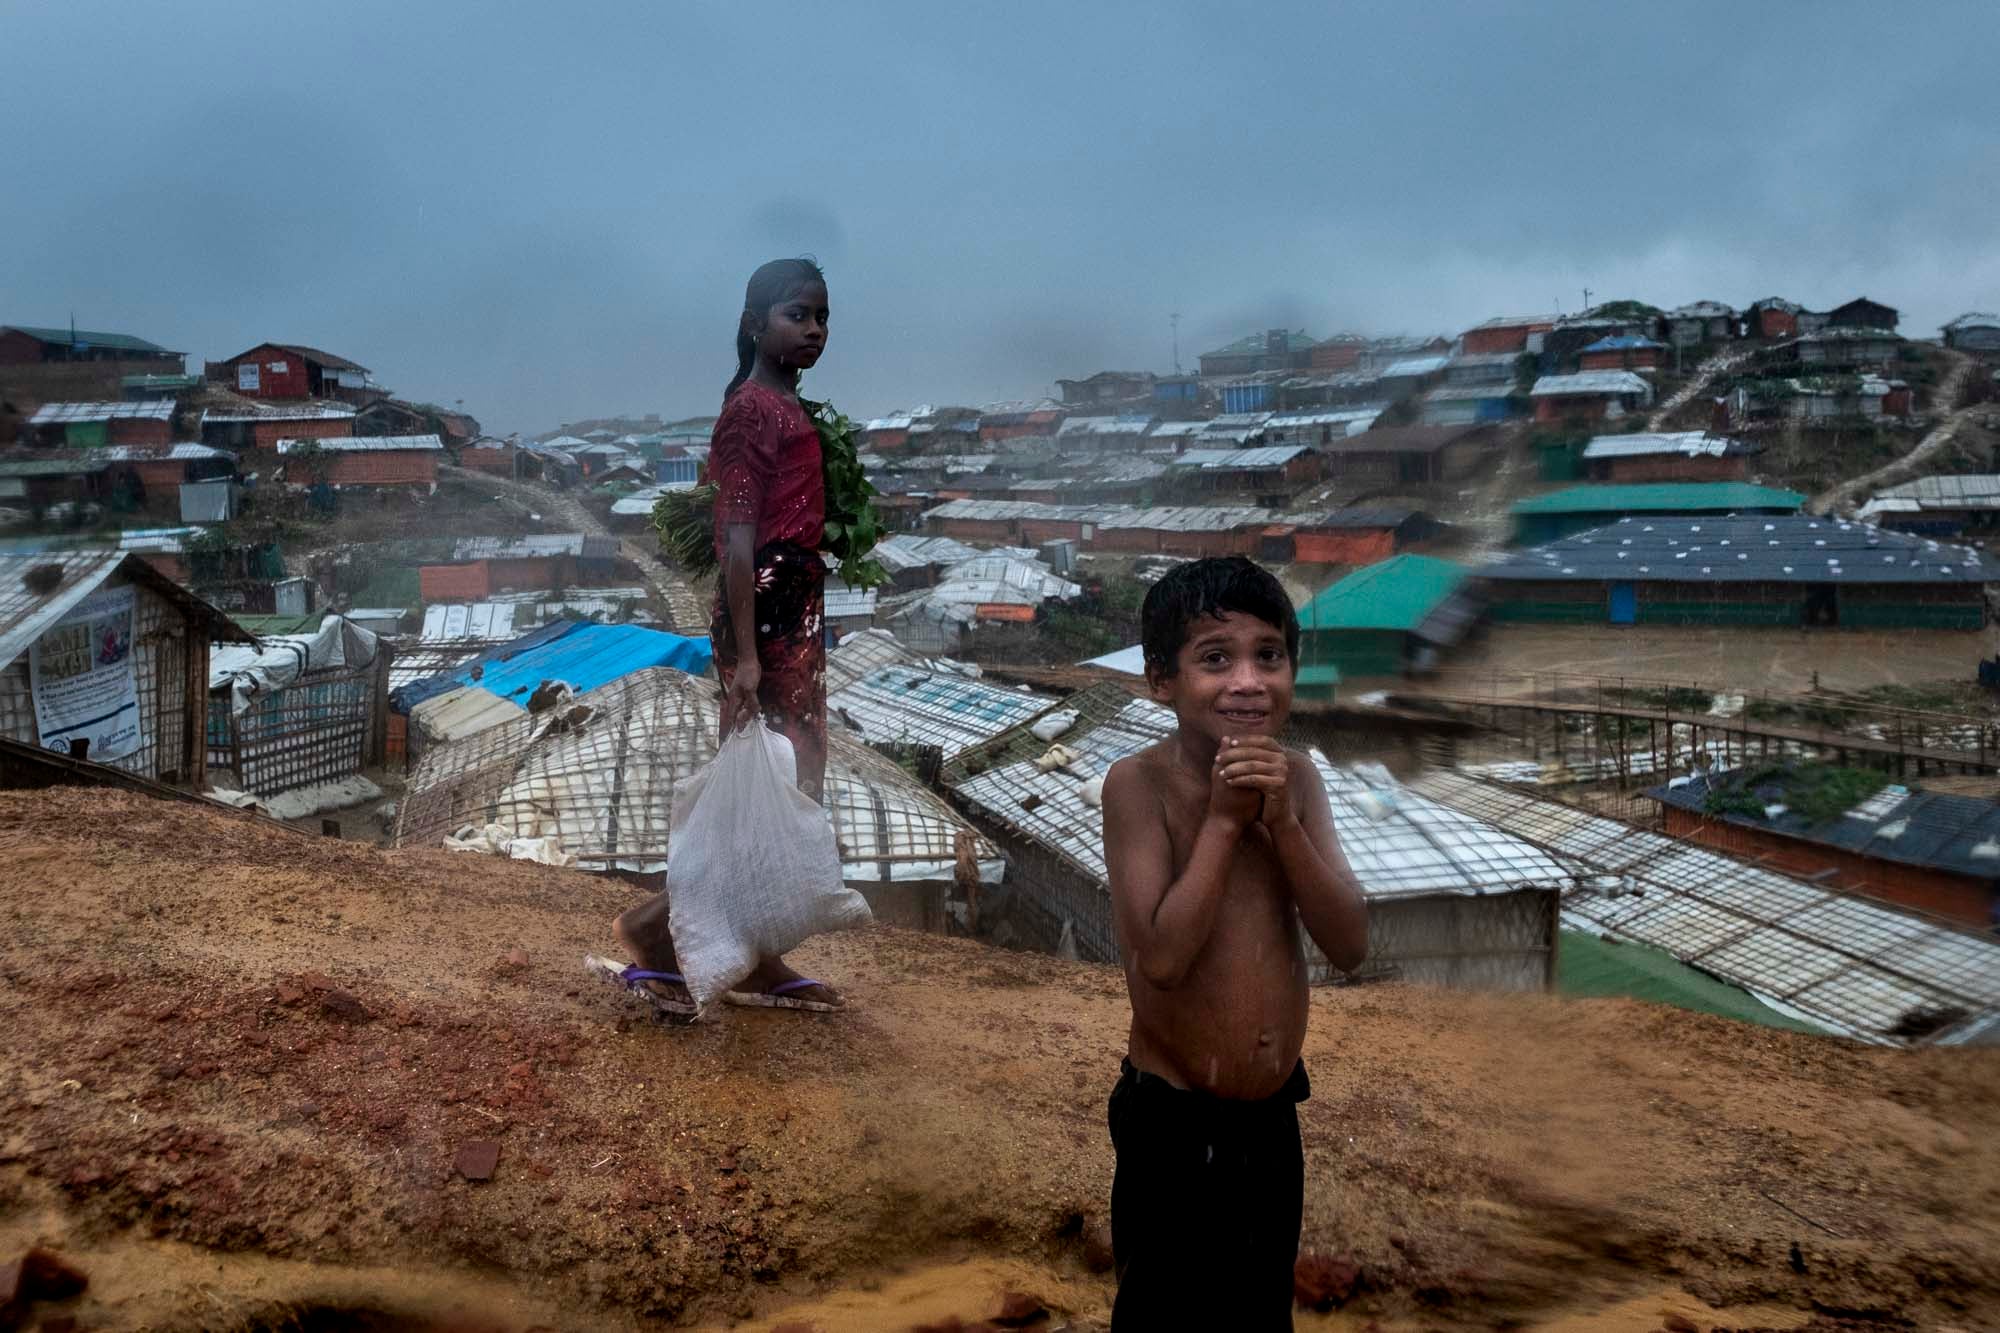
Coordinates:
<point>580,653</point>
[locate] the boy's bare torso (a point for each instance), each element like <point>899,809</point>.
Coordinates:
<point>1234,1026</point>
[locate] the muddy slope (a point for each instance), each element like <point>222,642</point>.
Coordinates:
<point>241,1067</point>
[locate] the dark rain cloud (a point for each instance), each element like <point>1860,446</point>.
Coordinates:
<point>549,212</point>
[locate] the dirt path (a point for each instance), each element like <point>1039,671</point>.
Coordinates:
<point>685,611</point>
<point>1704,375</point>
<point>1847,494</point>
<point>242,1065</point>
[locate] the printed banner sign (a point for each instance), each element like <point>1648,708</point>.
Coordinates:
<point>82,675</point>
<point>246,378</point>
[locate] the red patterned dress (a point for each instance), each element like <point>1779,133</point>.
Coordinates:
<point>765,459</point>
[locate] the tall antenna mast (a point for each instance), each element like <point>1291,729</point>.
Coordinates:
<point>1175,320</point>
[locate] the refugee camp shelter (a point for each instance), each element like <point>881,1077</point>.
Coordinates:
<point>299,709</point>
<point>1934,852</point>
<point>496,686</point>
<point>1846,964</point>
<point>1357,536</point>
<point>1389,455</point>
<point>1776,570</point>
<point>1943,506</point>
<point>102,656</point>
<point>601,774</point>
<point>1543,518</point>
<point>1388,618</point>
<point>87,424</point>
<point>940,704</point>
<point>1450,902</point>
<point>364,460</point>
<point>262,425</point>
<point>1688,455</point>
<point>1590,395</point>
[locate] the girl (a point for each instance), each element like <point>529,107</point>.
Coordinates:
<point>767,626</point>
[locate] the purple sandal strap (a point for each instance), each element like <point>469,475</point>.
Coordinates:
<point>643,974</point>
<point>799,984</point>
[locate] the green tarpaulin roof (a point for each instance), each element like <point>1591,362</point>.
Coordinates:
<point>1397,593</point>
<point>1662,497</point>
<point>1588,964</point>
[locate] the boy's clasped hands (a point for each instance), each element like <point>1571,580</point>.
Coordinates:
<point>1251,783</point>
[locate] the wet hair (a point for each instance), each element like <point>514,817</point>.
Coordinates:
<point>770,284</point>
<point>1210,587</point>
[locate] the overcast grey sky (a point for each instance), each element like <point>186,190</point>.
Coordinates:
<point>551,214</point>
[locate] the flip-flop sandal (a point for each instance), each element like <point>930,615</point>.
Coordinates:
<point>633,978</point>
<point>777,998</point>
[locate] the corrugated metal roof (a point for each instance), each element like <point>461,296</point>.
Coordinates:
<point>1624,342</point>
<point>1010,510</point>
<point>1777,548</point>
<point>843,602</point>
<point>1413,367</point>
<point>1977,491</point>
<point>1590,382</point>
<point>1844,963</point>
<point>280,412</point>
<point>1468,393</point>
<point>1481,360</point>
<point>365,444</point>
<point>1275,455</point>
<point>1973,319</point>
<point>1168,430</point>
<point>1185,518</point>
<point>1686,443</point>
<point>52,414</point>
<point>1360,516</point>
<point>909,550</point>
<point>116,342</point>
<point>1402,440</point>
<point>904,704</point>
<point>1956,834</point>
<point>1660,497</point>
<point>1394,594</point>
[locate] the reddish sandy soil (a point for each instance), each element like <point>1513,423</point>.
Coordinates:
<point>240,1064</point>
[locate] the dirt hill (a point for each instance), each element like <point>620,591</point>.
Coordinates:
<point>243,1068</point>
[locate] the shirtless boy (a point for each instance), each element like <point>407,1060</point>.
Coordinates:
<point>1220,843</point>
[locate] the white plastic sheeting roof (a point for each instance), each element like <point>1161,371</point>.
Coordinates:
<point>1276,455</point>
<point>482,622</point>
<point>605,788</point>
<point>251,671</point>
<point>1686,443</point>
<point>1842,962</point>
<point>931,706</point>
<point>1590,382</point>
<point>1417,847</point>
<point>25,615</point>
<point>365,444</point>
<point>53,414</point>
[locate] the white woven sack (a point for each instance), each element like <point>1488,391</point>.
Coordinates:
<point>752,865</point>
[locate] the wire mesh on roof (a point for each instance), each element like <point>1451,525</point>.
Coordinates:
<point>903,704</point>
<point>604,786</point>
<point>1844,963</point>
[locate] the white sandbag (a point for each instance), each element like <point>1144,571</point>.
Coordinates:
<point>752,865</point>
<point>1054,725</point>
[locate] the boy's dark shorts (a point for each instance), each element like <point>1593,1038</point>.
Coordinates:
<point>1205,1205</point>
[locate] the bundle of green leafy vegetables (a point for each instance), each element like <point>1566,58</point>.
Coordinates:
<point>685,520</point>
